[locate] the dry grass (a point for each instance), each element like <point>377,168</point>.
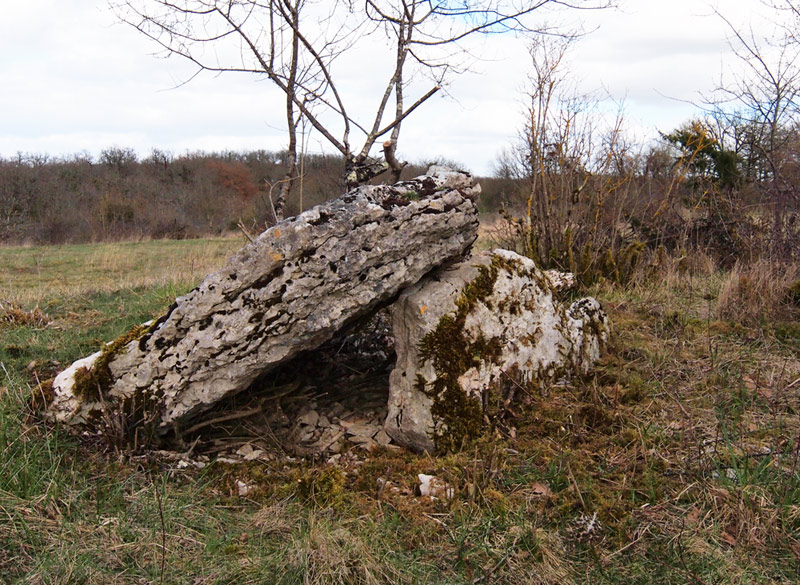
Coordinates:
<point>757,291</point>
<point>676,461</point>
<point>12,316</point>
<point>28,274</point>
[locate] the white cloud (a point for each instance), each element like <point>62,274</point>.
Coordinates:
<point>79,81</point>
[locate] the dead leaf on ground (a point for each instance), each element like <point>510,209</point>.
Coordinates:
<point>765,393</point>
<point>728,538</point>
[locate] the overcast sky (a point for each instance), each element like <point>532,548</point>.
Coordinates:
<point>75,80</point>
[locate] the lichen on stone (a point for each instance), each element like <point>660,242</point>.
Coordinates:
<point>134,422</point>
<point>279,296</point>
<point>499,328</point>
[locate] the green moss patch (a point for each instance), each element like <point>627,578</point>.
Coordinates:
<point>452,353</point>
<point>92,384</point>
<point>131,423</point>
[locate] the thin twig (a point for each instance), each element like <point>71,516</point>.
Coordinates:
<point>575,484</point>
<point>517,384</point>
<point>627,546</point>
<point>163,534</point>
<point>224,418</point>
<point>793,384</point>
<point>243,229</point>
<point>10,381</point>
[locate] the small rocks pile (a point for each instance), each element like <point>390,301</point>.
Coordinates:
<point>349,404</point>
<point>325,427</point>
<point>330,427</point>
<point>338,411</point>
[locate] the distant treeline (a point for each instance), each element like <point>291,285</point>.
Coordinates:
<point>121,196</point>
<point>118,196</point>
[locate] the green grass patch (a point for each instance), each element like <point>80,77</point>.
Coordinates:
<point>675,461</point>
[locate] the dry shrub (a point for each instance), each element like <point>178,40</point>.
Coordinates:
<point>673,270</point>
<point>760,290</point>
<point>12,316</point>
<point>233,177</point>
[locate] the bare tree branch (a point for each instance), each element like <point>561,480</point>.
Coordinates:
<point>294,44</point>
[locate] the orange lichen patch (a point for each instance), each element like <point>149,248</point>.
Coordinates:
<point>277,233</point>
<point>277,256</point>
<point>422,309</point>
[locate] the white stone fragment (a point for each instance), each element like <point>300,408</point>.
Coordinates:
<point>244,489</point>
<point>432,487</point>
<point>66,406</point>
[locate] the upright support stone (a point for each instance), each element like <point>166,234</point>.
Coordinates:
<point>291,290</point>
<point>470,332</point>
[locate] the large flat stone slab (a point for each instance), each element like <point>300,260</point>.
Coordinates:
<point>291,290</point>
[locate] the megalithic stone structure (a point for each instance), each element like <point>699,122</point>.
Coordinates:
<point>292,289</point>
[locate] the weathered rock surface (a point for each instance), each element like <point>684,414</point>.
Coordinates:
<point>291,290</point>
<point>470,335</point>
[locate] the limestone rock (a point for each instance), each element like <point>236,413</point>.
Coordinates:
<point>470,332</point>
<point>290,290</point>
<point>432,487</point>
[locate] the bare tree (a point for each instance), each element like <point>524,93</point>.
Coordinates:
<point>295,44</point>
<point>263,38</point>
<point>429,39</point>
<point>789,17</point>
<point>759,109</point>
<point>577,172</point>
<point>768,89</point>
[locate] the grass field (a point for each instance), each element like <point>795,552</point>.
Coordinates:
<point>675,461</point>
<point>32,273</point>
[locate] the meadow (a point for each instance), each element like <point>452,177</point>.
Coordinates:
<point>675,461</point>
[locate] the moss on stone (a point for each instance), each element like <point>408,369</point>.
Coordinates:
<point>41,397</point>
<point>460,417</point>
<point>132,422</point>
<point>92,384</point>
